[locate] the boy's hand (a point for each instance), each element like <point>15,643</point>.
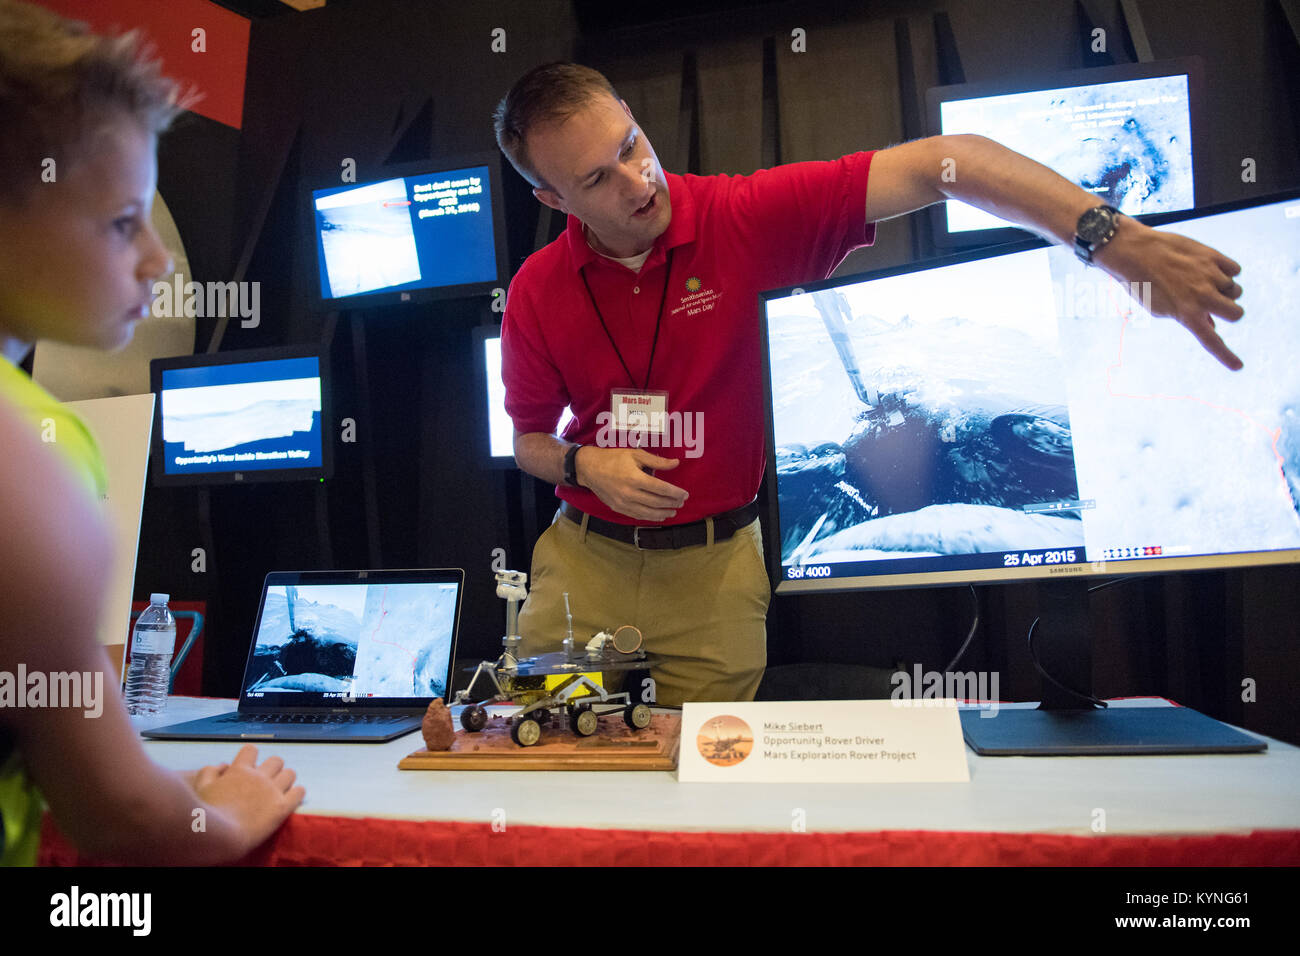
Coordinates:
<point>255,799</point>
<point>191,776</point>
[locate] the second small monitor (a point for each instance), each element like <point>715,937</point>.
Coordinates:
<point>1124,133</point>
<point>254,415</point>
<point>416,233</point>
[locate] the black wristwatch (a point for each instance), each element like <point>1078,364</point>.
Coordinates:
<point>571,467</point>
<point>1095,228</point>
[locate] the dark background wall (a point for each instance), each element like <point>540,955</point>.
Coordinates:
<point>721,91</point>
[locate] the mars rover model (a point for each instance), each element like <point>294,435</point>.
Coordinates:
<point>578,699</point>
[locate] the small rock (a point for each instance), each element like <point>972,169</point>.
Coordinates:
<point>436,727</point>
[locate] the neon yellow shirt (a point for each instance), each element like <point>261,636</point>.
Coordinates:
<point>56,425</point>
<point>21,805</point>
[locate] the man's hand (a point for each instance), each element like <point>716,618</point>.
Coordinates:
<point>621,478</point>
<point>1190,282</point>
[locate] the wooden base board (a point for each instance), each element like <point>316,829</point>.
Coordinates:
<point>614,747</point>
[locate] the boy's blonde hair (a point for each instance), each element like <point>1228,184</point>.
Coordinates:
<point>59,83</point>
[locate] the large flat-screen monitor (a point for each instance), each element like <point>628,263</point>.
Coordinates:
<point>1128,133</point>
<point>1012,415</point>
<point>418,232</point>
<point>499,436</point>
<point>254,415</point>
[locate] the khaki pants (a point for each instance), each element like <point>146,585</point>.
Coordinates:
<point>701,609</point>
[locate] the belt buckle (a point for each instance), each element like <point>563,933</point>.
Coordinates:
<point>636,537</point>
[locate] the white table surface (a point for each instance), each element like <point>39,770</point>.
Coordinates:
<point>1167,795</point>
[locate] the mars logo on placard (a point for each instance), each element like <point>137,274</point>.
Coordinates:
<point>724,741</point>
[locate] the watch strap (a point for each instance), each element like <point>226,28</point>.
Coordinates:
<point>1084,249</point>
<point>571,466</point>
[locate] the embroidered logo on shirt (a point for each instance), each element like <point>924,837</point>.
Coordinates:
<point>697,299</point>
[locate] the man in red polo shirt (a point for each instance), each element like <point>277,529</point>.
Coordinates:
<point>643,319</point>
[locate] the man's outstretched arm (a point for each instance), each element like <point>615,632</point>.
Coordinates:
<point>1190,282</point>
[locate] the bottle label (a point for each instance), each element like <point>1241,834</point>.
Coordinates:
<point>154,642</point>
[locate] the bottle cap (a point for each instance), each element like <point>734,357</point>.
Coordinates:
<point>159,598</point>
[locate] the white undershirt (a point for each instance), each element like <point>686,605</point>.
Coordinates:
<point>632,262</point>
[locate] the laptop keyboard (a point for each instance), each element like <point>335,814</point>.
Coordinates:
<point>311,719</point>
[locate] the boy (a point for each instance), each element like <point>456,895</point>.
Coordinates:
<point>79,117</point>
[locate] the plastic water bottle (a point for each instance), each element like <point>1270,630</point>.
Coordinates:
<point>152,645</point>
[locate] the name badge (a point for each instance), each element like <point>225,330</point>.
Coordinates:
<point>832,741</point>
<point>643,413</point>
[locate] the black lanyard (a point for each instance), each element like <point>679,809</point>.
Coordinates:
<point>663,298</point>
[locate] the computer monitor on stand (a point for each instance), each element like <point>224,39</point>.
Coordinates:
<point>1012,415</point>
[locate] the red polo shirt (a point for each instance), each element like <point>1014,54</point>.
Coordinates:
<point>731,238</point>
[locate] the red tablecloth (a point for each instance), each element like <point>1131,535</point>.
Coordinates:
<point>309,840</point>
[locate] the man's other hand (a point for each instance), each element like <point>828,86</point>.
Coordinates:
<point>622,479</point>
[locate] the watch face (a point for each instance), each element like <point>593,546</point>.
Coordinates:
<point>1096,224</point>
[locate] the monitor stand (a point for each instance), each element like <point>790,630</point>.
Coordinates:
<point>1065,725</point>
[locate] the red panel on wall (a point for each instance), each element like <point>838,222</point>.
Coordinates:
<point>218,72</point>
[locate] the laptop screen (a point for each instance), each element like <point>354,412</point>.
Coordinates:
<point>341,639</point>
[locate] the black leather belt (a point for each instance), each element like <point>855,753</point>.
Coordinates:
<point>665,537</point>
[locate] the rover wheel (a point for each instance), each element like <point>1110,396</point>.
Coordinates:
<point>637,716</point>
<point>474,718</point>
<point>525,731</point>
<point>572,710</point>
<point>583,721</point>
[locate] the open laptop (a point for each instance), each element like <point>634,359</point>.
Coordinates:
<point>351,656</point>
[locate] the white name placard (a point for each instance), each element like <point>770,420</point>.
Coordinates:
<point>823,741</point>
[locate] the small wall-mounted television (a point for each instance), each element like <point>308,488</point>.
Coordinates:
<point>230,417</point>
<point>1128,133</point>
<point>411,233</point>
